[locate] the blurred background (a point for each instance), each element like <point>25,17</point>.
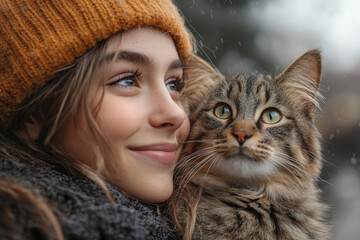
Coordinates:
<point>268,35</point>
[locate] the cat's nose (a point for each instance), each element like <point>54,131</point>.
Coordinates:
<point>242,135</point>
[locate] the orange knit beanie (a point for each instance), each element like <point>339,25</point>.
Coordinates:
<point>38,37</point>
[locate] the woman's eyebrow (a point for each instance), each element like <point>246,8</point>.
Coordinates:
<point>175,64</point>
<point>136,57</point>
<point>127,56</point>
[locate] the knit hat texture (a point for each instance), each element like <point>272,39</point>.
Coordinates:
<point>39,37</point>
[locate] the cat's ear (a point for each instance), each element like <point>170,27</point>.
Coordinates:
<point>200,77</point>
<point>301,80</point>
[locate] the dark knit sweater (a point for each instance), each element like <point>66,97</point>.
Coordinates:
<point>86,212</point>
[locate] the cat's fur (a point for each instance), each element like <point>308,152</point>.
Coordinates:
<point>254,178</point>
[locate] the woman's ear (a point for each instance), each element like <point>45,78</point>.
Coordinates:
<point>33,128</point>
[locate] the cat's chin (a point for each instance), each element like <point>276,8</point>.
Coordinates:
<point>242,166</point>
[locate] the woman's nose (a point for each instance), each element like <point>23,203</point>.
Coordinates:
<point>167,112</point>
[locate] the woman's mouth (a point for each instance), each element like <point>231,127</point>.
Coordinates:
<point>163,153</point>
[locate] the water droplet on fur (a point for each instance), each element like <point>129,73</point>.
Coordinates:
<point>331,136</point>
<point>202,12</point>
<point>222,40</point>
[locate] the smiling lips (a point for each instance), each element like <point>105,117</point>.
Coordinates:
<point>163,153</point>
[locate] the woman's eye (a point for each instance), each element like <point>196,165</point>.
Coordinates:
<point>125,80</point>
<point>171,86</point>
<point>271,116</point>
<point>222,111</point>
<point>174,85</point>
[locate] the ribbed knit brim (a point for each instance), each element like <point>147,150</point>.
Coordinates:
<point>38,37</point>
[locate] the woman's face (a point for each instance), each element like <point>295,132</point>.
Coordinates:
<point>140,115</point>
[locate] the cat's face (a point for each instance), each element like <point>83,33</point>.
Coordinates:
<point>256,127</point>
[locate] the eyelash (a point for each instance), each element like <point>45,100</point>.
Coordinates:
<point>130,74</point>
<point>135,75</point>
<point>179,83</point>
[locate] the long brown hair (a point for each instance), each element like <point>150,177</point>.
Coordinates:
<point>64,98</point>
<point>186,195</point>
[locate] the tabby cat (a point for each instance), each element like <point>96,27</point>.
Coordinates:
<point>249,167</point>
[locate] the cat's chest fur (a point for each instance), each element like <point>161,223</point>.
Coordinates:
<point>225,212</point>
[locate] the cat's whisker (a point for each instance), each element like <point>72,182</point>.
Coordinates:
<point>310,153</point>
<point>296,167</point>
<point>217,164</point>
<point>291,162</point>
<point>329,163</point>
<point>214,160</point>
<point>191,158</point>
<point>296,178</point>
<point>287,156</point>
<point>323,159</point>
<point>289,168</point>
<point>277,163</point>
<point>201,164</point>
<point>274,164</point>
<point>183,162</point>
<point>292,169</point>
<point>325,181</point>
<point>194,154</point>
<point>194,170</point>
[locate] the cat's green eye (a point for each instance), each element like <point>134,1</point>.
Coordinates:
<point>271,116</point>
<point>222,111</point>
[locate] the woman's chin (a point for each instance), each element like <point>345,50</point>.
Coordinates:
<point>154,189</point>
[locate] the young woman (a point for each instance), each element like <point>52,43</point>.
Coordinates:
<point>91,119</point>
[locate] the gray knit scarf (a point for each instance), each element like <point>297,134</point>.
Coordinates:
<point>86,211</point>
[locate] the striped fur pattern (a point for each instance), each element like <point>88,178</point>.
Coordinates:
<point>254,153</point>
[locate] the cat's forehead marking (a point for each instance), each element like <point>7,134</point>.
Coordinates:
<point>236,88</point>
<point>247,92</point>
<point>229,90</point>
<point>251,80</point>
